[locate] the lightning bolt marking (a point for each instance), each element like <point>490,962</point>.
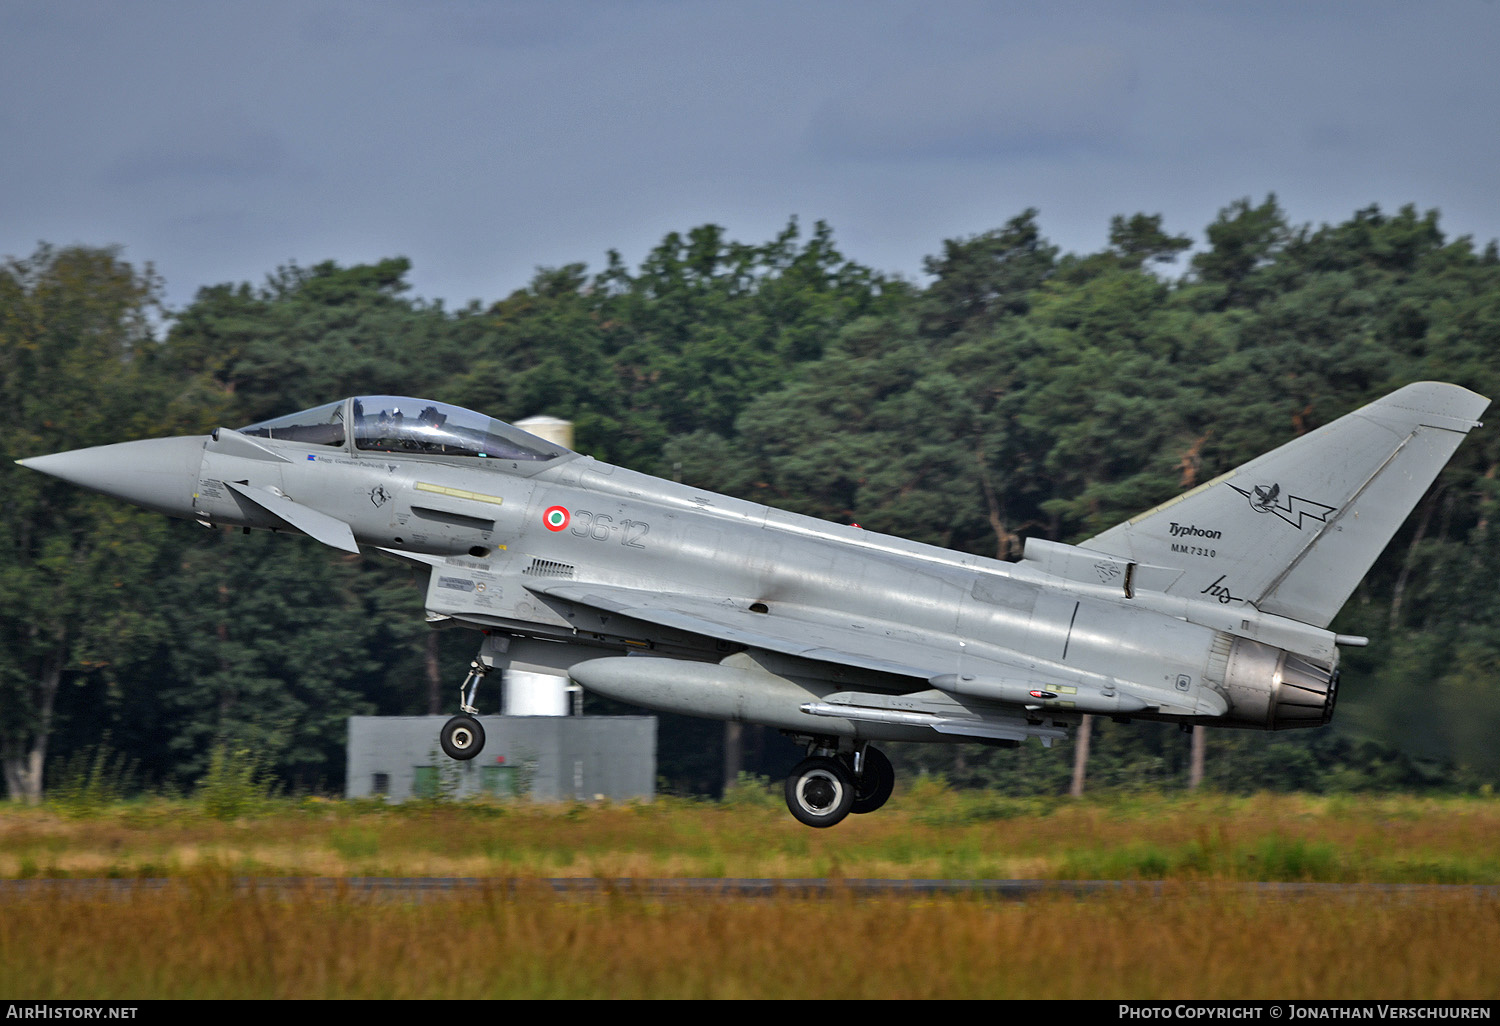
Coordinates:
<point>1294,510</point>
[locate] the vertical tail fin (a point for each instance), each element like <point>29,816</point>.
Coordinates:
<point>1292,532</point>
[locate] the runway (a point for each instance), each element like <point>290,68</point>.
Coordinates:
<point>812,889</point>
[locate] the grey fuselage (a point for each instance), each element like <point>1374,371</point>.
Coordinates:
<point>1210,608</point>
<point>990,628</point>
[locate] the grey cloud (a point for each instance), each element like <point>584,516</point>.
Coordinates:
<point>223,145</point>
<point>1057,99</point>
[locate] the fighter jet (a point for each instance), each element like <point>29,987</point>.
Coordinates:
<point>1212,608</point>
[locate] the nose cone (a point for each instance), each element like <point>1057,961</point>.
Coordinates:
<point>157,473</point>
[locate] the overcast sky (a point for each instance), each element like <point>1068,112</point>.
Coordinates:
<point>483,139</point>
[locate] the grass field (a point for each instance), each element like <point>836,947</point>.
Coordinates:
<point>1202,936</point>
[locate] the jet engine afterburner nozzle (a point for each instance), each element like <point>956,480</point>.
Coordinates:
<point>1274,689</point>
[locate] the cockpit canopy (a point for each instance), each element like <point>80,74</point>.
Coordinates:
<point>396,423</point>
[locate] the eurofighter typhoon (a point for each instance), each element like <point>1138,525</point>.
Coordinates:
<point>1212,608</point>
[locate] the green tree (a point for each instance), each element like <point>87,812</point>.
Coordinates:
<point>985,277</point>
<point>1141,239</point>
<point>77,368</point>
<point>1244,242</point>
<point>273,648</point>
<point>310,335</point>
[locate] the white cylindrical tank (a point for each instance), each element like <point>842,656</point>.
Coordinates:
<point>534,694</point>
<point>553,429</point>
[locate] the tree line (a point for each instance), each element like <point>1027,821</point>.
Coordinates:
<point>1017,392</point>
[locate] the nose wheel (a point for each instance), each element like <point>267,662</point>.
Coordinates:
<point>461,737</point>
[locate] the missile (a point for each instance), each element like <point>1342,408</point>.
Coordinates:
<point>1079,697</point>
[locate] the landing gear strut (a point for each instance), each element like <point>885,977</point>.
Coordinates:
<point>462,737</point>
<point>828,785</point>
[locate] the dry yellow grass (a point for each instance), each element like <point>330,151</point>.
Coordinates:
<point>208,940</point>
<point>1205,936</point>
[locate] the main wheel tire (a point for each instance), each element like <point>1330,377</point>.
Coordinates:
<point>873,789</point>
<point>820,791</point>
<point>461,737</point>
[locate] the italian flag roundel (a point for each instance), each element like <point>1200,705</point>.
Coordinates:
<point>556,518</point>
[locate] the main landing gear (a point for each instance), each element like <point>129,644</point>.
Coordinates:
<point>462,737</point>
<point>828,785</point>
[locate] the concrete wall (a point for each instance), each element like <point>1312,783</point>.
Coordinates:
<point>546,758</point>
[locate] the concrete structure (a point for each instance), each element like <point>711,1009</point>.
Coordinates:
<point>545,758</point>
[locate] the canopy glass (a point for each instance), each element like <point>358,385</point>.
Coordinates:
<point>396,423</point>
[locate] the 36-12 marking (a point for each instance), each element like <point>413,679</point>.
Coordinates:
<point>602,527</point>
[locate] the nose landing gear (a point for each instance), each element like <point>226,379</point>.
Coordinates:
<point>462,737</point>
